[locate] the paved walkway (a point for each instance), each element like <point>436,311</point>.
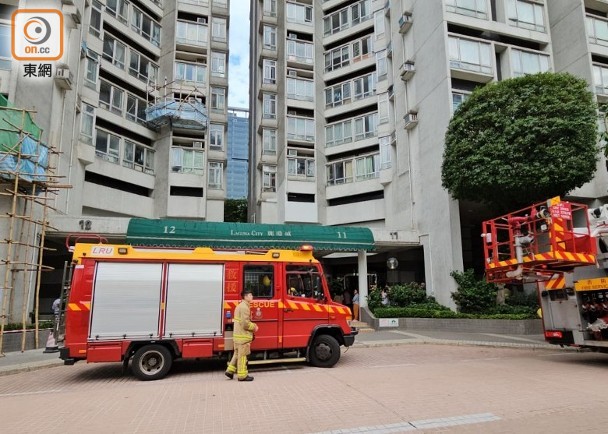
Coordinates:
<point>36,359</point>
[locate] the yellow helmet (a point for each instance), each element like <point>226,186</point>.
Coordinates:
<point>266,281</point>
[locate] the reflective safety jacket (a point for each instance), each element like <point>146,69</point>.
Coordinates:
<point>243,327</point>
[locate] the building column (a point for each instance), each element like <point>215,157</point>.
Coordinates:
<point>362,271</point>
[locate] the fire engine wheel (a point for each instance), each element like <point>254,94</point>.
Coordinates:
<point>325,351</point>
<point>151,362</point>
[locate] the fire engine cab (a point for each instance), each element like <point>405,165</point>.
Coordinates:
<point>156,305</point>
<point>560,247</point>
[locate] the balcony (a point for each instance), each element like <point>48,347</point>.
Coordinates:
<point>191,34</point>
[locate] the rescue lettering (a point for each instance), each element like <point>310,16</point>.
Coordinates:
<point>269,304</point>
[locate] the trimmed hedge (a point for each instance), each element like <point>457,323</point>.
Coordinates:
<point>421,312</point>
<point>18,326</point>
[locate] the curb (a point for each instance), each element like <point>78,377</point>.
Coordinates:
<point>398,342</point>
<point>27,367</point>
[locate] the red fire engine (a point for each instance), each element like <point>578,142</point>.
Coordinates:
<point>554,245</point>
<point>157,305</point>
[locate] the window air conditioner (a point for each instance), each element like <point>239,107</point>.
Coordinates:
<point>201,20</point>
<point>292,153</point>
<point>292,73</point>
<point>292,36</point>
<point>197,145</point>
<point>63,78</point>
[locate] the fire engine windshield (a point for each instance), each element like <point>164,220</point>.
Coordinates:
<point>304,281</point>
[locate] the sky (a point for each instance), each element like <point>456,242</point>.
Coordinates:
<point>238,70</point>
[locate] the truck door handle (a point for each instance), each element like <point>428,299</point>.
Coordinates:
<point>287,310</point>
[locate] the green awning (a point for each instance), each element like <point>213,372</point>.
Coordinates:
<point>189,233</point>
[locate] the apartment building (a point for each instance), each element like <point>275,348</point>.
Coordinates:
<point>137,109</point>
<point>238,153</point>
<point>350,101</point>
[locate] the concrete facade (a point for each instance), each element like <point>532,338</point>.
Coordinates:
<point>120,58</point>
<point>378,82</point>
<point>238,153</point>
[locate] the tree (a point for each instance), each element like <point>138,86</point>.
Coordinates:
<point>521,141</point>
<point>235,210</point>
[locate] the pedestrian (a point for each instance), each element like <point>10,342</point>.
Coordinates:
<point>56,307</point>
<point>347,299</point>
<point>242,337</point>
<point>356,305</point>
<point>384,295</point>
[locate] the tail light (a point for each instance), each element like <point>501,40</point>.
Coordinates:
<point>553,334</point>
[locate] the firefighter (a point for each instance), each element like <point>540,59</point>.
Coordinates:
<point>242,337</point>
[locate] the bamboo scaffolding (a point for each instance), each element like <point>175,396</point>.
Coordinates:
<point>27,230</point>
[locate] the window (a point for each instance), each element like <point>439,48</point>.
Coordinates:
<point>270,8</point>
<point>145,26</point>
<point>337,95</point>
<point>107,146</point>
<point>471,8</point>
<point>114,51</point>
<point>597,30</point>
<point>457,99</point>
<point>111,97</point>
<point>381,65</point>
<point>304,281</point>
<point>337,58</point>
<point>366,126</point>
<point>299,164</point>
<point>385,152</point>
<point>470,55</point>
<point>365,86</point>
<point>216,136</point>
<point>216,172</point>
<point>299,13</point>
<point>367,167</point>
<point>138,157</point>
<point>340,172</point>
<point>118,9</point>
<point>95,24</point>
<point>191,33</point>
<point>193,72</point>
<point>91,69</point>
<point>270,71</point>
<point>383,108</point>
<point>338,134</point>
<point>361,11</point>
<point>269,110</point>
<point>300,128</point>
<point>362,49</point>
<point>300,89</point>
<point>259,279</point>
<point>269,141</point>
<point>525,62</point>
<point>218,98</point>
<point>379,27</point>
<point>270,37</point>
<point>269,178</point>
<point>600,79</point>
<point>142,68</point>
<point>218,64</point>
<point>87,123</point>
<point>187,160</point>
<point>526,14</point>
<point>218,29</point>
<point>300,51</point>
<point>336,22</point>
<point>5,47</point>
<point>136,109</point>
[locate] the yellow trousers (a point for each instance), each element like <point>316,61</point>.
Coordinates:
<point>356,311</point>
<point>238,363</point>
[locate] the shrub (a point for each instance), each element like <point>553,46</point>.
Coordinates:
<point>374,299</point>
<point>407,294</point>
<point>473,295</point>
<point>18,326</point>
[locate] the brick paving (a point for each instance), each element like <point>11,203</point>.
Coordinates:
<point>378,389</point>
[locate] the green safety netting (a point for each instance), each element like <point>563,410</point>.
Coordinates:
<point>21,152</point>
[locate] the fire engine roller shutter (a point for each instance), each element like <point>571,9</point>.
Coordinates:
<point>126,300</point>
<point>194,300</point>
<point>189,233</point>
